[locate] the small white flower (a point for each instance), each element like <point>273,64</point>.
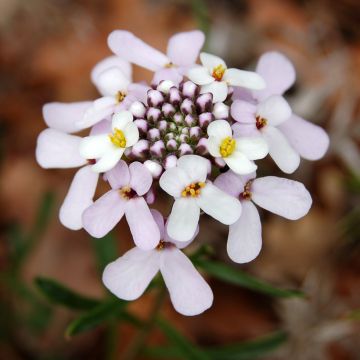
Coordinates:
<point>108,149</point>
<point>215,77</point>
<point>187,184</point>
<point>237,153</point>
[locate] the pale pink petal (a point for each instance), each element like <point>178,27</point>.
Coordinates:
<point>108,160</point>
<point>171,74</point>
<point>200,75</point>
<point>174,180</point>
<point>244,241</point>
<point>195,166</point>
<point>112,80</point>
<point>309,140</point>
<point>63,116</point>
<point>131,48</point>
<point>79,197</point>
<point>246,130</point>
<point>240,93</point>
<point>285,157</point>
<point>284,197</point>
<point>278,73</point>
<point>102,127</point>
<point>219,89</point>
<point>159,219</point>
<point>243,78</point>
<point>143,227</point>
<point>141,178</point>
<point>231,183</point>
<point>183,48</point>
<point>119,176</point>
<point>253,148</point>
<point>243,111</point>
<point>274,109</point>
<point>102,216</point>
<point>139,91</point>
<point>183,219</point>
<point>129,276</point>
<point>189,292</point>
<point>56,149</point>
<point>219,205</point>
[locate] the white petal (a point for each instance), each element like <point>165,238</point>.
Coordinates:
<point>183,219</point>
<point>253,148</point>
<point>56,149</point>
<point>219,205</point>
<point>284,197</point>
<point>200,75</point>
<point>174,180</point>
<point>213,145</point>
<point>210,61</point>
<point>129,276</point>
<point>219,89</point>
<point>285,157</point>
<point>131,133</point>
<point>121,119</point>
<point>79,197</point>
<point>240,164</point>
<point>244,241</point>
<point>246,79</point>
<point>108,160</point>
<point>93,147</point>
<point>219,129</point>
<point>189,292</point>
<point>274,109</point>
<point>195,166</point>
<point>112,80</point>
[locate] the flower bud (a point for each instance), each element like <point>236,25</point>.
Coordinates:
<point>150,196</point>
<point>204,102</point>
<point>178,118</point>
<point>138,109</point>
<point>205,119</point>
<point>184,138</point>
<point>185,130</point>
<point>185,149</point>
<point>171,145</point>
<point>154,167</point>
<point>170,162</point>
<point>189,89</point>
<point>165,86</point>
<point>153,134</point>
<point>157,149</point>
<point>155,98</point>
<point>142,125</point>
<point>162,126</point>
<point>175,96</point>
<point>190,120</point>
<point>168,110</point>
<point>141,149</point>
<point>195,133</point>
<point>201,147</point>
<point>153,115</point>
<point>187,106</point>
<point>221,111</point>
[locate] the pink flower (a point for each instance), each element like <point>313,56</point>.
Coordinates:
<point>182,52</point>
<point>129,276</point>
<point>267,113</point>
<point>129,185</point>
<point>283,197</point>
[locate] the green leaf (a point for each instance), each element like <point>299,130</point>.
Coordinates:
<point>113,309</point>
<point>237,277</point>
<point>183,345</point>
<point>105,250</point>
<point>61,295</point>
<point>248,350</point>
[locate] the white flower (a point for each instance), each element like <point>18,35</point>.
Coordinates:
<point>108,149</point>
<point>187,184</point>
<point>215,77</point>
<point>237,153</point>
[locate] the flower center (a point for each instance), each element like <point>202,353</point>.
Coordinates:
<point>227,146</point>
<point>160,245</point>
<point>246,194</point>
<point>120,96</point>
<point>193,190</point>
<point>118,138</point>
<point>218,72</point>
<point>169,65</point>
<point>127,192</point>
<point>260,122</point>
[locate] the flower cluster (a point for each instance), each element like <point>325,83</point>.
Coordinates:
<point>194,133</point>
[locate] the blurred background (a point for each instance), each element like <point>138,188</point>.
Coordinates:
<point>47,50</point>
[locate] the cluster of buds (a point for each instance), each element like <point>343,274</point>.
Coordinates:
<point>169,137</point>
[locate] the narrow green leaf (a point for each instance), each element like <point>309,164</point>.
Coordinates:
<point>183,345</point>
<point>237,277</point>
<point>105,249</point>
<point>248,350</point>
<point>61,295</point>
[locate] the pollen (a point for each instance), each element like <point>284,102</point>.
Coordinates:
<point>260,122</point>
<point>246,194</point>
<point>193,190</point>
<point>227,146</point>
<point>160,245</point>
<point>169,65</point>
<point>127,193</point>
<point>218,72</point>
<point>120,96</point>
<point>118,138</point>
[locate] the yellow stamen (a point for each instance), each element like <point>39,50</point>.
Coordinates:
<point>160,245</point>
<point>120,96</point>
<point>169,65</point>
<point>227,146</point>
<point>193,190</point>
<point>125,191</point>
<point>118,138</point>
<point>218,72</point>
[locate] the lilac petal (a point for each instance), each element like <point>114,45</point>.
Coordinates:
<point>219,205</point>
<point>189,292</point>
<point>159,219</point>
<point>139,91</point>
<point>56,149</point>
<point>111,62</point>
<point>240,93</point>
<point>243,112</point>
<point>230,183</point>
<point>278,73</point>
<point>180,244</point>
<point>287,198</point>
<point>167,74</point>
<point>104,214</point>
<point>129,276</point>
<point>131,48</point>
<point>102,127</point>
<point>142,225</point>
<point>274,109</point>
<point>112,80</point>
<point>63,116</point>
<point>183,48</point>
<point>244,130</point>
<point>140,178</point>
<point>196,167</point>
<point>285,157</point>
<point>119,176</point>
<point>79,197</point>
<point>244,241</point>
<point>309,140</point>
<point>218,89</point>
<point>174,180</point>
